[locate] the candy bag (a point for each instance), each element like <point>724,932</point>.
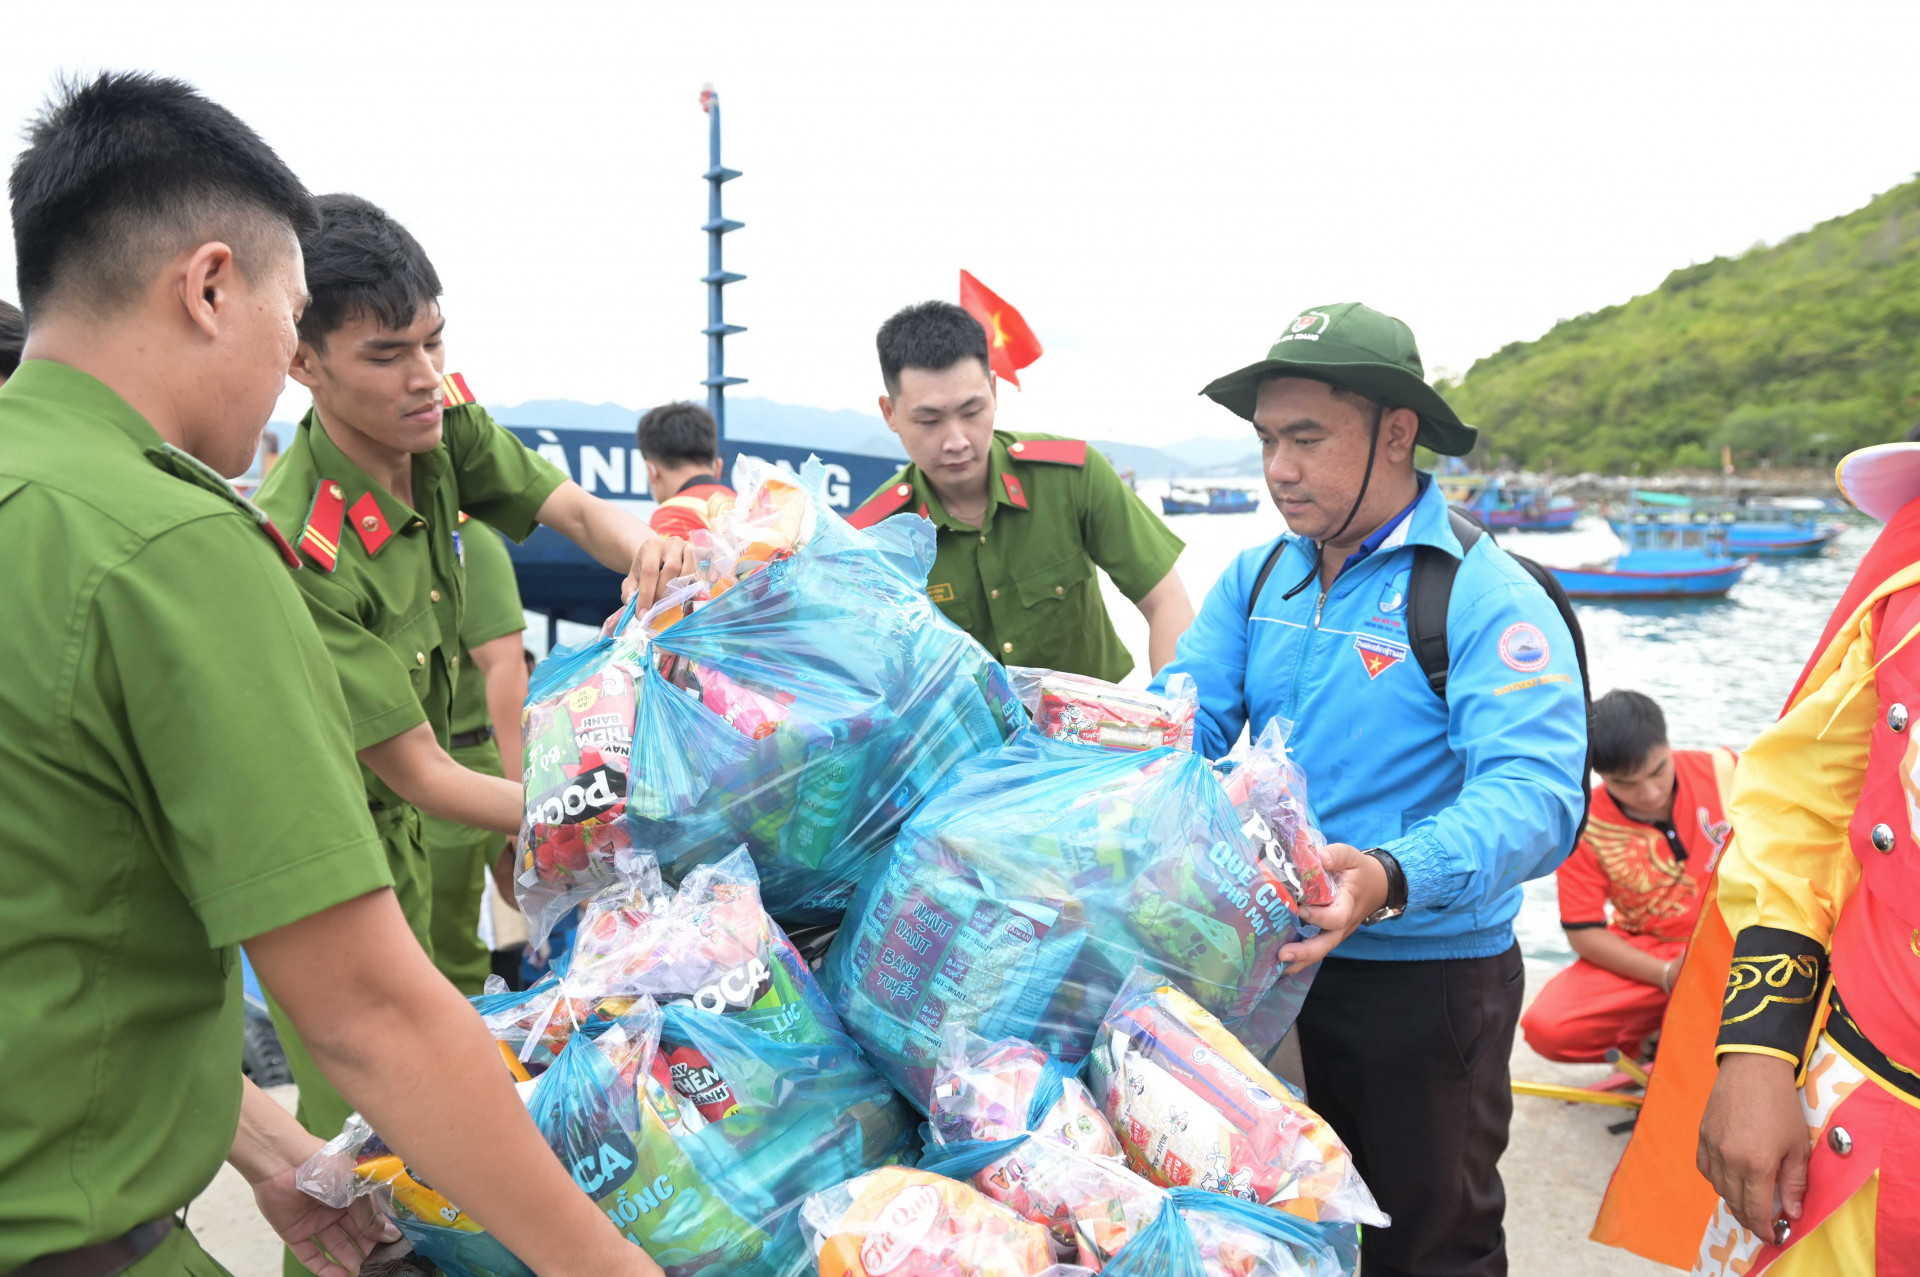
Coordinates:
<point>896,1222</point>
<point>801,709</point>
<point>999,1090</point>
<point>1017,899</point>
<point>1078,708</point>
<point>1193,1107</point>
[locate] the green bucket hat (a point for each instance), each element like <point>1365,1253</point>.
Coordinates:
<point>1355,348</point>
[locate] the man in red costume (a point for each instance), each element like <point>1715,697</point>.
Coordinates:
<point>1648,852</point>
<point>1812,1133</point>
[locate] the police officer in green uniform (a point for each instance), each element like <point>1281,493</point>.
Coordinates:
<point>485,726</point>
<point>1023,519</point>
<point>174,762</point>
<point>376,477</point>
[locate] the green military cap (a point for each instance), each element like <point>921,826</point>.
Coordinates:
<point>1355,348</point>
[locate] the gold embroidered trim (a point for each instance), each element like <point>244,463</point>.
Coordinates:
<point>1776,971</point>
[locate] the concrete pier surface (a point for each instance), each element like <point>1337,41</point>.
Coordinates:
<point>1556,1169</point>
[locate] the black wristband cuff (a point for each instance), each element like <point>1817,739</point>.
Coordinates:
<point>1773,990</point>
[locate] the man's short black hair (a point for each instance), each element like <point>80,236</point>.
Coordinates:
<point>930,335</point>
<point>361,262</point>
<point>128,170</point>
<point>678,433</point>
<point>13,335</point>
<point>1625,728</point>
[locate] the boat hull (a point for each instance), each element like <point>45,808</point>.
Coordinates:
<point>1555,520</point>
<point>1778,543</point>
<point>1675,583</point>
<point>1170,506</point>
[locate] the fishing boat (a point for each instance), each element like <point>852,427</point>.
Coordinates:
<point>1782,528</point>
<point>1184,500</point>
<point>1505,506</point>
<point>1661,561</point>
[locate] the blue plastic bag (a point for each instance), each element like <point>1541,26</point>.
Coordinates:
<point>1035,878</point>
<point>802,712</point>
<point>1200,1234</point>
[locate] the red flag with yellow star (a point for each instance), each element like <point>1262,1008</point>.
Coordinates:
<point>1011,345</point>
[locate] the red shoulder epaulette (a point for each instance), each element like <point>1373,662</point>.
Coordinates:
<point>320,538</point>
<point>456,388</point>
<point>369,524</point>
<point>889,500</point>
<point>1058,452</point>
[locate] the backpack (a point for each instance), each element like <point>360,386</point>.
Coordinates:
<point>1430,589</point>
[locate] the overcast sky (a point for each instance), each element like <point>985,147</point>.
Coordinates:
<point>1157,187</point>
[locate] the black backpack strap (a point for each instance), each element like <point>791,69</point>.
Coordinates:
<point>1429,590</point>
<point>1266,570</point>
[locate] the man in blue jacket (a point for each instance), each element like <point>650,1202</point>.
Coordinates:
<point>1438,809</point>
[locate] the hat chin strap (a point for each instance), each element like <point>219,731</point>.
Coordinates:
<point>1373,446</point>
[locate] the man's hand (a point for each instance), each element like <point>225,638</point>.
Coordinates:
<point>656,563</point>
<point>1359,888</point>
<point>1753,1140</point>
<point>331,1242</point>
<point>268,1148</point>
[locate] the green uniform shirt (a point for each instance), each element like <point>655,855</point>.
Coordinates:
<point>176,775</point>
<point>1023,582</point>
<point>392,606</point>
<point>460,855</point>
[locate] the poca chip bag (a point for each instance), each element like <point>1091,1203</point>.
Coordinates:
<point>1193,1107</point>
<point>1015,902</point>
<point>804,700</point>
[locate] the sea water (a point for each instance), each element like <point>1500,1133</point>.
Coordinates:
<point>1720,668</point>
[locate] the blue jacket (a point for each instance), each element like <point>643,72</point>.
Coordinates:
<point>1474,795</point>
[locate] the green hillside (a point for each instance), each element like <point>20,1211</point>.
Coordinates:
<point>1791,354</point>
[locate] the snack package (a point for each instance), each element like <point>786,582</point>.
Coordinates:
<point>1093,712</point>
<point>799,696</point>
<point>1193,1107</point>
<point>1018,898</point>
<point>1090,1206</point>
<point>1270,794</point>
<point>896,1222</point>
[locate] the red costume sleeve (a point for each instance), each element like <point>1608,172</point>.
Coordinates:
<point>676,521</point>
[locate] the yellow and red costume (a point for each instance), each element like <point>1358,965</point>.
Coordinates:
<point>1814,943</point>
<point>700,503</point>
<point>1655,897</point>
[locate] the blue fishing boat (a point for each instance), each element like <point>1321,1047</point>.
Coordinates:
<point>1660,561</point>
<point>1182,500</point>
<point>1506,506</point>
<point>1784,528</point>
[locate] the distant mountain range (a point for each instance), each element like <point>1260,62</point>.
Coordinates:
<point>844,430</point>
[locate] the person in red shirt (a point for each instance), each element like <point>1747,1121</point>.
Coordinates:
<point>1657,828</point>
<point>681,447</point>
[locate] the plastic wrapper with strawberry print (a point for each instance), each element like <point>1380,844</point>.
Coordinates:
<point>800,697</point>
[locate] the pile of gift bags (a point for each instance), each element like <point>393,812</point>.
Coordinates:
<point>799,697</point>
<point>1059,937</point>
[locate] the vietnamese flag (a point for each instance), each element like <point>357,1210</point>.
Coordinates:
<point>1011,345</point>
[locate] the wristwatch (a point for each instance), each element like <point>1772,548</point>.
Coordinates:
<point>1396,888</point>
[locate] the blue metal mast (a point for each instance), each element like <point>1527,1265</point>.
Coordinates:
<point>716,278</point>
